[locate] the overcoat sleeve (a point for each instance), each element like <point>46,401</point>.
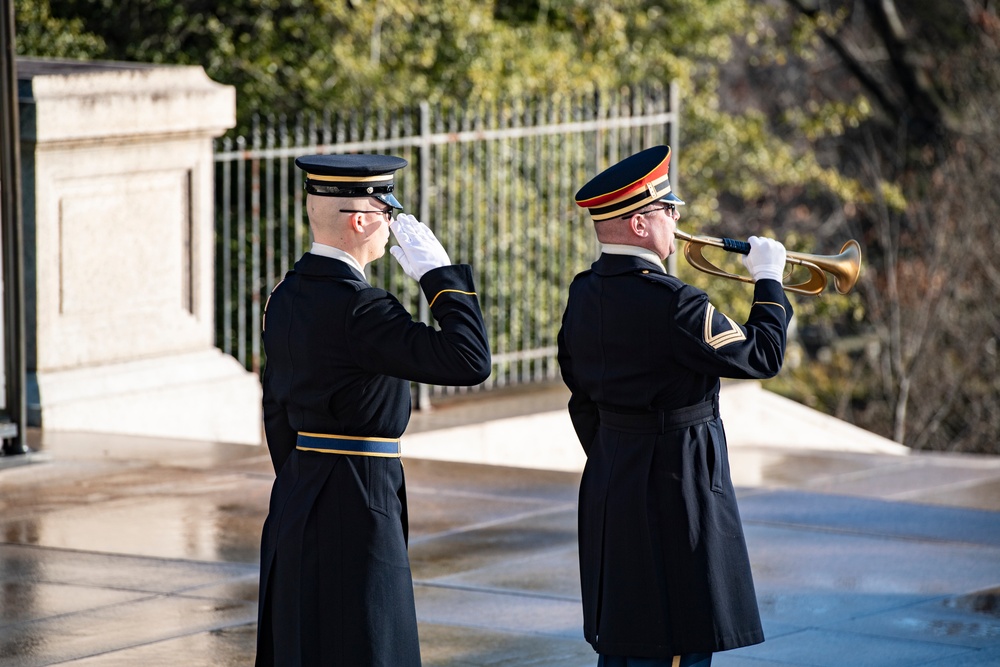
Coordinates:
<point>710,342</point>
<point>280,435</point>
<point>385,339</point>
<point>582,410</point>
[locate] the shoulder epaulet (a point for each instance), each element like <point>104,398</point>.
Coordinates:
<point>662,278</point>
<point>359,285</point>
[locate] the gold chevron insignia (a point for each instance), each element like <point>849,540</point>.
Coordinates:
<point>732,334</point>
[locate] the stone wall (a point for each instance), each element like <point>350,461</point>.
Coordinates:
<point>118,184</point>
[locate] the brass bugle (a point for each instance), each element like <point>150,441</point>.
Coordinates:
<point>844,267</point>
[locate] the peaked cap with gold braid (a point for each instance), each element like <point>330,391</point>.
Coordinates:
<point>634,182</point>
<point>358,175</point>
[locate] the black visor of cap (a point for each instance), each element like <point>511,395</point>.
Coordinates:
<point>387,198</point>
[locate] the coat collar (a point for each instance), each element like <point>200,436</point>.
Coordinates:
<point>336,253</point>
<point>610,265</point>
<point>318,265</point>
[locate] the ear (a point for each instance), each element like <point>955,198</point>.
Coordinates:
<point>356,224</point>
<point>637,224</point>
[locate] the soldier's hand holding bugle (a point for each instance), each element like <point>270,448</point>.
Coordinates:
<point>766,259</point>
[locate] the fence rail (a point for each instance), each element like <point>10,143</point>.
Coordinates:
<point>495,182</point>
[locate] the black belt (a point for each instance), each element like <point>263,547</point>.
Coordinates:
<point>661,421</point>
<point>347,444</point>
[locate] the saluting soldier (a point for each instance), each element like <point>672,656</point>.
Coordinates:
<point>335,583</point>
<point>664,569</point>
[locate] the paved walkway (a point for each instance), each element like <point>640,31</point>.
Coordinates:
<point>128,551</point>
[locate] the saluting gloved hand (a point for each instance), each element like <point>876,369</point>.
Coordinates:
<point>418,251</point>
<point>766,259</point>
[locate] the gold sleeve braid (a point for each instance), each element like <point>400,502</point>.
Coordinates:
<point>448,290</point>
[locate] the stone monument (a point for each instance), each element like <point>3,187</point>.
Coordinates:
<point>118,187</point>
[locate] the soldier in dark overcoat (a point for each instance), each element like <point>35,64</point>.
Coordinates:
<point>335,583</point>
<point>664,569</point>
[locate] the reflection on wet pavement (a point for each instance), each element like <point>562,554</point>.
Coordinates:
<point>122,551</point>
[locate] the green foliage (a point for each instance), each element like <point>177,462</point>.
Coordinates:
<point>40,33</point>
<point>289,56</point>
<point>832,386</point>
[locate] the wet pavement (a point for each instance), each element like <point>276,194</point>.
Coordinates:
<point>118,550</point>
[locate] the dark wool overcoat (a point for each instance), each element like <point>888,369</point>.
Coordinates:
<point>335,585</point>
<point>663,561</point>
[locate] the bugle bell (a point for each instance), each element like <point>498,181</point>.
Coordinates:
<point>844,266</point>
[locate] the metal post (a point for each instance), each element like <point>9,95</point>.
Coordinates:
<point>423,391</point>
<point>675,133</point>
<point>12,423</point>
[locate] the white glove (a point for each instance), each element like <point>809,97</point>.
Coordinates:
<point>418,251</point>
<point>766,259</point>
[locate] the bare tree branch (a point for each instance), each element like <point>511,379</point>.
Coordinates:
<point>853,64</point>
